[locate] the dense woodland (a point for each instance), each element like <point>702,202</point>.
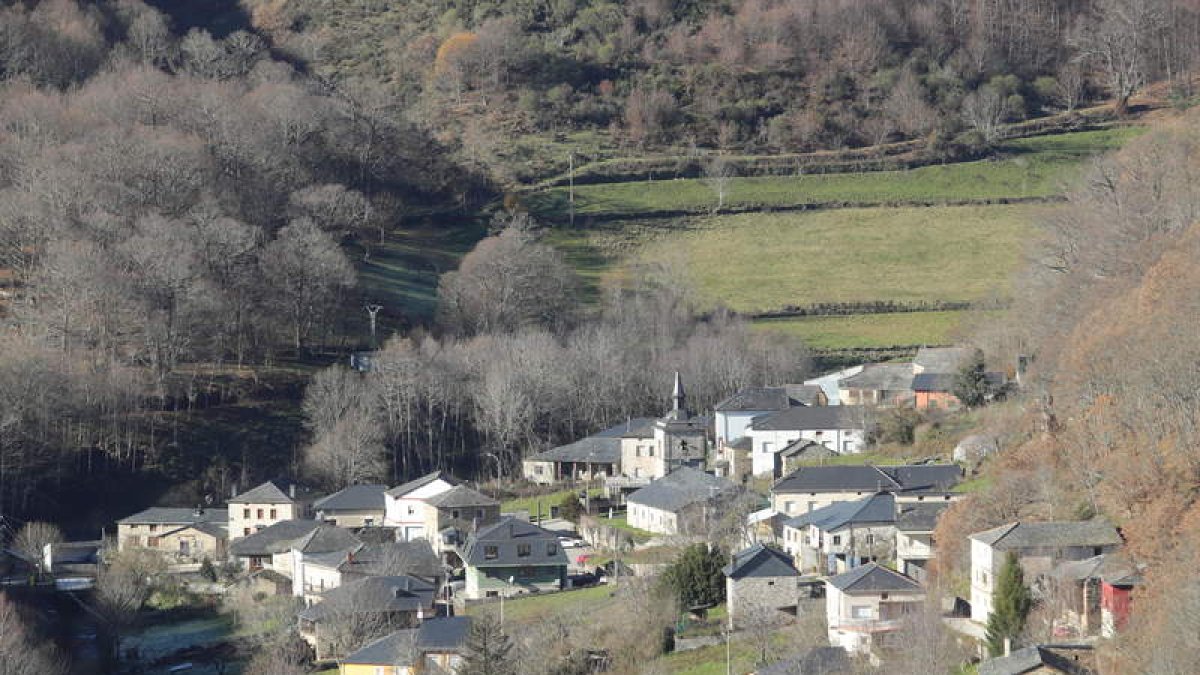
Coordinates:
<point>742,76</point>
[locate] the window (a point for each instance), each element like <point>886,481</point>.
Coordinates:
<point>454,513</point>
<point>861,612</point>
<point>524,550</point>
<point>246,514</point>
<point>637,452</point>
<point>411,509</point>
<point>492,594</point>
<point>788,507</point>
<point>551,548</point>
<point>768,448</point>
<point>537,470</point>
<point>152,542</point>
<point>883,596</point>
<point>1096,550</point>
<point>272,514</point>
<point>837,539</point>
<point>153,528</point>
<point>479,513</point>
<point>491,552</point>
<point>770,583</point>
<point>381,670</point>
<point>259,514</point>
<point>649,450</point>
<point>245,532</point>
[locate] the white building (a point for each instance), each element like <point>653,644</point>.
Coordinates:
<point>1039,547</point>
<point>842,429</point>
<point>682,502</point>
<point>829,383</point>
<point>731,417</point>
<point>404,505</point>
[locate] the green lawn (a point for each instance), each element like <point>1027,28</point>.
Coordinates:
<point>1031,167</point>
<point>863,331</point>
<point>530,504</point>
<point>622,523</point>
<point>761,262</point>
<point>534,608</point>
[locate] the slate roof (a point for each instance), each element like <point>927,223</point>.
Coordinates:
<point>639,427</point>
<point>1050,533</point>
<point>873,578</point>
<point>1111,568</point>
<point>753,399</point>
<point>919,517</point>
<point>878,509</point>
<point>273,492</point>
<point>310,536</point>
<point>405,488</point>
<point>460,495</point>
<point>441,635</point>
<point>803,418</point>
<point>1031,659</point>
<point>909,478</point>
<point>220,531</point>
<point>942,359</point>
<point>822,660</point>
<point>505,535</point>
<point>680,488</point>
<point>162,515</point>
<point>603,447</point>
<point>353,498</point>
<point>760,561</point>
<point>882,377</point>
<point>373,594</point>
<point>937,382</point>
<point>801,446</point>
<point>806,394</point>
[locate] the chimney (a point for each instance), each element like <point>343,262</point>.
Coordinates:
<point>349,557</point>
<point>292,490</point>
<point>420,612</point>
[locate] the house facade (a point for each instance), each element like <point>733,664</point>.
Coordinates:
<point>732,416</point>
<point>679,503</point>
<point>393,602</point>
<point>915,546</point>
<point>760,587</point>
<point>267,504</point>
<point>866,607</point>
<point>878,385</point>
<point>404,504</point>
<point>184,535</point>
<point>842,429</point>
<point>513,557</point>
<point>354,506</point>
<point>438,645</point>
<point>598,456</point>
<point>1039,547</point>
<point>449,516</point>
<point>843,535</point>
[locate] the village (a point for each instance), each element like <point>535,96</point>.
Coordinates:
<point>384,578</point>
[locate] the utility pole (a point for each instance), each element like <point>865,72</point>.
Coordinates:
<point>571,181</point>
<point>373,312</point>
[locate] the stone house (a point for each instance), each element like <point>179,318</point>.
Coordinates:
<point>273,547</point>
<point>843,535</point>
<point>878,385</point>
<point>760,586</point>
<point>513,557</point>
<point>184,535</point>
<point>812,487</point>
<point>842,429</point>
<point>449,516</point>
<point>682,502</point>
<point>866,606</point>
<point>1095,596</point>
<point>267,504</point>
<point>1039,547</point>
<point>353,506</point>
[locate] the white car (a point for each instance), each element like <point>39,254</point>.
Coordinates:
<point>571,542</point>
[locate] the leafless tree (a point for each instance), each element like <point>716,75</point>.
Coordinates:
<point>21,652</point>
<point>286,654</point>
<point>308,270</point>
<point>123,586</point>
<point>1118,42</point>
<point>32,540</point>
<point>718,174</point>
<point>985,110</point>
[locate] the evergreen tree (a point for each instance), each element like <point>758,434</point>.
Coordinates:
<point>696,578</point>
<point>570,508</point>
<point>1011,605</point>
<point>970,383</point>
<point>489,650</point>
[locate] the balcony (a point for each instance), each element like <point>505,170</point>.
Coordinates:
<point>867,625</point>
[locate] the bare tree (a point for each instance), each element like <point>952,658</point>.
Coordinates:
<point>32,540</point>
<point>286,654</point>
<point>718,174</point>
<point>342,412</point>
<point>1117,40</point>
<point>307,270</point>
<point>123,586</point>
<point>985,110</point>
<point>21,652</point>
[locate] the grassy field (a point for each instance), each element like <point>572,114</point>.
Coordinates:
<point>760,262</point>
<point>864,331</point>
<point>534,608</point>
<point>530,504</point>
<point>622,523</point>
<point>1032,167</point>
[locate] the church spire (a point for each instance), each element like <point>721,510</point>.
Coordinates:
<point>678,397</point>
